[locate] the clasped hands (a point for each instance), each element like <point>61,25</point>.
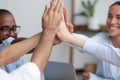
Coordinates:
<point>55,20</point>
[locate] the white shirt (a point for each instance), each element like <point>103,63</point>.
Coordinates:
<point>28,71</point>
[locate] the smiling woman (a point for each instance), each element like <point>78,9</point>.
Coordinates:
<point>113,22</point>
<point>105,46</point>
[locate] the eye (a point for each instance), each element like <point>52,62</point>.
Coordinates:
<point>5,28</point>
<point>118,17</point>
<point>14,28</point>
<point>109,17</point>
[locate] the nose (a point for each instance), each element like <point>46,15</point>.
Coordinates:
<point>113,21</point>
<point>12,33</point>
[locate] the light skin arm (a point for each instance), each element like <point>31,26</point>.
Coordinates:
<point>102,50</point>
<point>64,34</point>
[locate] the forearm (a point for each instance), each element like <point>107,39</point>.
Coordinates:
<point>97,49</point>
<point>75,40</point>
<point>42,52</point>
<point>16,50</point>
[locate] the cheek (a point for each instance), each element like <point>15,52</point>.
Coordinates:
<point>15,35</point>
<point>107,21</point>
<point>2,36</point>
<point>119,23</point>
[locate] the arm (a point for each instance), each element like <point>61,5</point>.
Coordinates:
<point>13,52</point>
<point>104,52</point>
<point>43,49</point>
<point>21,39</point>
<point>18,49</point>
<point>51,20</point>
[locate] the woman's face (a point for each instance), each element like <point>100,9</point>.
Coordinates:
<point>113,21</point>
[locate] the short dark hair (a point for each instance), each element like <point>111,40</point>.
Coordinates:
<point>116,3</point>
<point>4,11</point>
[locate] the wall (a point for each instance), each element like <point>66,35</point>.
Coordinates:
<point>28,15</point>
<point>101,10</point>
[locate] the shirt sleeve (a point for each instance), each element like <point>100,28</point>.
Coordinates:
<point>28,71</point>
<point>95,77</point>
<point>104,52</point>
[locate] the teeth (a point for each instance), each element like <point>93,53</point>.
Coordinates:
<point>113,28</point>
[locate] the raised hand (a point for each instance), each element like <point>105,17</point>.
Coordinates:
<point>65,28</point>
<point>68,24</point>
<point>50,20</point>
<point>52,16</point>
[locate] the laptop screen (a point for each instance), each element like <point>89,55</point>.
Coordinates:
<point>59,71</point>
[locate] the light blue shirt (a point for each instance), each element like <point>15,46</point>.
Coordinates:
<point>12,66</point>
<point>101,46</point>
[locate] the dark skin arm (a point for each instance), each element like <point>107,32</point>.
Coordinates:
<point>21,39</point>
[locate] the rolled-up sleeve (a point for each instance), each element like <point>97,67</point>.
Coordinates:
<point>28,71</point>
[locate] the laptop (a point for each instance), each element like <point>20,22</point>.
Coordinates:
<point>59,71</point>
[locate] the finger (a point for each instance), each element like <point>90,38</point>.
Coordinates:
<point>60,11</point>
<point>58,35</point>
<point>52,4</point>
<point>46,10</point>
<point>66,15</point>
<point>58,6</point>
<point>70,26</point>
<point>71,29</point>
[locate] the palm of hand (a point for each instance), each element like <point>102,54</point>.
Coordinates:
<point>63,31</point>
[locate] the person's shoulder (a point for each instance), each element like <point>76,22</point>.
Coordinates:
<point>101,37</point>
<point>102,34</point>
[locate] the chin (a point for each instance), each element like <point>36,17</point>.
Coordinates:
<point>113,34</point>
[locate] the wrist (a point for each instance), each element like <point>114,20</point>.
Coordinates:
<point>68,38</point>
<point>76,41</point>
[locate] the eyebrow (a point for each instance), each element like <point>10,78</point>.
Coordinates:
<point>8,25</point>
<point>116,15</point>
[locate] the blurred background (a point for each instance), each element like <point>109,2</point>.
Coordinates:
<point>28,15</point>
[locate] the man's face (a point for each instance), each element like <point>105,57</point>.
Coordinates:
<point>8,21</point>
